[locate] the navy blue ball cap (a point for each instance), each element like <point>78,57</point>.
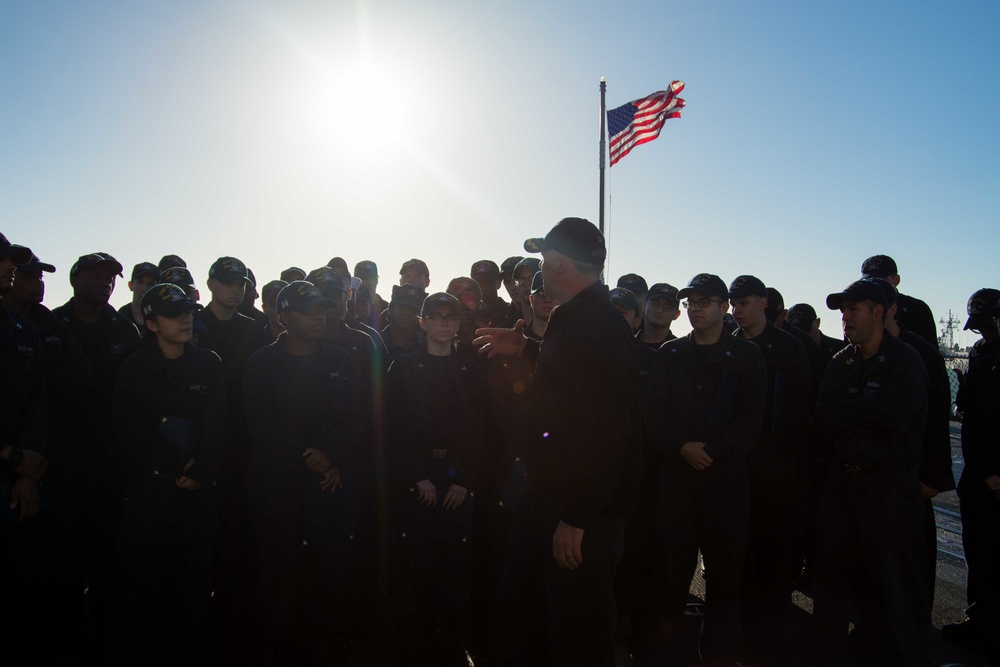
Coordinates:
<point>486,269</point>
<point>300,295</point>
<point>708,284</point>
<point>177,275</point>
<point>507,266</point>
<point>35,265</point>
<point>663,291</point>
<point>170,260</point>
<point>879,266</point>
<point>229,270</point>
<point>536,283</point>
<point>532,264</point>
<point>269,292</point>
<point>145,269</point>
<point>18,253</point>
<point>408,295</point>
<point>747,286</point>
<point>860,290</point>
<point>634,283</point>
<point>890,291</point>
<point>329,281</point>
<point>626,298</point>
<point>980,301</point>
<point>437,300</point>
<point>418,265</point>
<point>366,267</point>
<point>94,259</point>
<point>292,274</point>
<point>801,316</point>
<point>576,238</point>
<point>463,285</point>
<point>166,300</point>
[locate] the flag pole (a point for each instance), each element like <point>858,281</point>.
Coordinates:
<point>600,218</point>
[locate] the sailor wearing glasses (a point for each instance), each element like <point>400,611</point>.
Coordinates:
<point>436,400</point>
<point>704,409</point>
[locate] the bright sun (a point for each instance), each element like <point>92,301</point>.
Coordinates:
<point>361,112</point>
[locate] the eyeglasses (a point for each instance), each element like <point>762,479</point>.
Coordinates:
<point>447,319</point>
<point>519,282</point>
<point>700,304</point>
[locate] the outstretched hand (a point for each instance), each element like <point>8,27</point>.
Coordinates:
<point>494,341</point>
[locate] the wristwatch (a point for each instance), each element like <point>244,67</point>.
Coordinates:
<point>15,457</point>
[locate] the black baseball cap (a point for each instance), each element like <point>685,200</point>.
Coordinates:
<point>166,300</point>
<point>533,264</point>
<point>536,283</point>
<point>177,275</point>
<point>626,298</point>
<point>463,284</point>
<point>747,286</point>
<point>979,303</point>
<point>366,267</point>
<point>663,291</point>
<point>708,284</point>
<point>300,295</point>
<point>634,283</point>
<point>860,290</point>
<point>229,270</point>
<point>94,259</point>
<point>18,253</point>
<point>801,316</point>
<point>293,273</point>
<point>270,290</point>
<point>891,294</point>
<point>486,269</point>
<point>879,266</point>
<point>145,269</point>
<point>507,266</point>
<point>576,238</point>
<point>408,295</point>
<point>439,299</point>
<point>35,265</point>
<point>168,261</point>
<point>328,280</point>
<point>417,264</point>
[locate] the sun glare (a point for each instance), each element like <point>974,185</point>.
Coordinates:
<point>360,112</point>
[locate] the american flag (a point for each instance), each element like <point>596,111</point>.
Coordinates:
<point>641,120</point>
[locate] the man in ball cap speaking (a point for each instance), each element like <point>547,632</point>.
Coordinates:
<point>582,443</point>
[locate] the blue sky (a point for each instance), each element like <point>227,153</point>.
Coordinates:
<point>285,133</point>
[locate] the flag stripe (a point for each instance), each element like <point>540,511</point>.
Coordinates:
<point>640,121</point>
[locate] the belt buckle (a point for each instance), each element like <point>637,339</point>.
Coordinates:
<point>439,454</point>
<point>852,468</point>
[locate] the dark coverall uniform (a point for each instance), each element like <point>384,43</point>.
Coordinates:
<point>775,468</point>
<point>23,422</point>
<point>714,394</point>
<point>980,506</point>
<point>167,412</point>
<point>95,455</point>
<point>916,316</point>
<point>871,564</point>
<point>935,458</point>
<point>234,340</point>
<point>635,572</point>
<point>583,447</point>
<point>436,409</point>
<point>304,534</point>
